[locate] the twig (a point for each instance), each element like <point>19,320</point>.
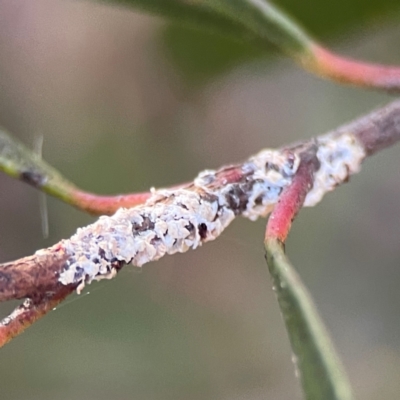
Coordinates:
<point>177,220</point>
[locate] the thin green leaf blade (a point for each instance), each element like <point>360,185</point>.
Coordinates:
<point>320,371</point>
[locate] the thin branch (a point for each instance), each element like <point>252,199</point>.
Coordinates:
<point>176,220</point>
<point>33,276</point>
<point>29,312</point>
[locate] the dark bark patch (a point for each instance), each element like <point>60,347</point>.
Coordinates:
<point>33,178</point>
<point>202,230</point>
<point>146,225</point>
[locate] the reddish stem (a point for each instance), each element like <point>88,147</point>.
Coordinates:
<point>28,313</point>
<point>292,198</point>
<point>107,205</point>
<point>346,70</point>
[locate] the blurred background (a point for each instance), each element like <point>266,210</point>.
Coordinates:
<point>126,101</point>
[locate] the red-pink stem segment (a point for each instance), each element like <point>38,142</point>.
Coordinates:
<point>327,64</point>
<point>28,313</point>
<point>292,198</point>
<point>106,205</point>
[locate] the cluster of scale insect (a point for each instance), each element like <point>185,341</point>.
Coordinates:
<point>174,221</point>
<point>273,172</point>
<point>339,155</point>
<point>170,222</point>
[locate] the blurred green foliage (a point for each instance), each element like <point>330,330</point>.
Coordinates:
<point>201,55</point>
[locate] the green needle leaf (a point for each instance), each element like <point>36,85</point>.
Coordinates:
<point>320,371</point>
